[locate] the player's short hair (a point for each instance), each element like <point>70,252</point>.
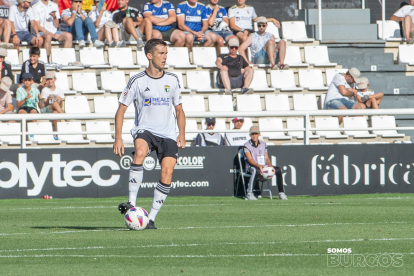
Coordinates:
<point>34,51</point>
<point>152,43</point>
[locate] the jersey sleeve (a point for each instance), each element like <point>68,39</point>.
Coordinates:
<point>92,15</point>
<point>65,13</point>
<point>402,12</point>
<point>254,15</point>
<point>179,10</point>
<point>31,14</point>
<point>231,13</point>
<point>246,150</point>
<point>12,13</point>
<point>204,14</point>
<point>171,7</point>
<point>147,9</point>
<point>224,12</point>
<point>20,94</point>
<point>127,96</point>
<point>339,80</point>
<point>176,94</point>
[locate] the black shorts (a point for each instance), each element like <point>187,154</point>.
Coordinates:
<point>164,147</point>
<point>28,109</point>
<point>235,82</point>
<point>249,30</point>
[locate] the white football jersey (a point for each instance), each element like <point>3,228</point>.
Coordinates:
<point>244,17</point>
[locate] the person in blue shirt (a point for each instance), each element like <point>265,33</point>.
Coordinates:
<point>163,19</point>
<point>192,20</point>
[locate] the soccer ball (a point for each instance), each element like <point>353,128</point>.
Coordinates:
<point>136,218</point>
<point>268,172</point>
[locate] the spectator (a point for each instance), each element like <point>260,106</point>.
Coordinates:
<point>241,17</point>
<point>132,23</point>
<point>76,21</point>
<point>368,97</point>
<point>263,47</point>
<point>5,32</point>
<point>47,19</point>
<point>192,20</point>
<point>209,139</point>
<point>218,22</point>
<point>163,19</point>
<point>6,106</point>
<point>406,15</point>
<point>28,96</point>
<point>230,65</point>
<point>20,16</point>
<point>53,98</point>
<point>341,89</point>
<point>237,138</point>
<point>105,27</point>
<point>35,67</point>
<point>256,158</point>
<point>5,65</point>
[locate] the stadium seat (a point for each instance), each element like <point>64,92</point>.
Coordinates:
<point>293,57</point>
<point>193,103</point>
<point>224,50</point>
<point>272,124</point>
<point>295,31</point>
<point>77,105</point>
<point>318,56</point>
<point>10,128</point>
<point>295,123</point>
<point>180,79</point>
<point>392,30</point>
<point>190,125</point>
<point>105,104</point>
<point>99,126</point>
<point>259,82</point>
<point>133,73</point>
<point>329,123</point>
<point>113,81</point>
<point>271,28</point>
<point>321,101</point>
<point>276,102</point>
<point>312,79</point>
<point>246,125</point>
<point>357,122</point>
<point>43,55</point>
<point>249,102</point>
<point>40,127</point>
<point>405,54</point>
<point>71,138</point>
<point>205,57</point>
<point>126,131</point>
<point>122,58</point>
<point>384,122</point>
<point>330,74</point>
<point>142,59</point>
<point>62,83</point>
<point>304,102</point>
<point>13,58</point>
<point>85,83</point>
<point>220,103</point>
<point>284,80</point>
<point>200,81</point>
<point>93,57</point>
<point>65,56</point>
<point>178,58</point>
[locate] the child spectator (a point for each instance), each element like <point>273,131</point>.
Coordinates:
<point>6,106</point>
<point>36,68</point>
<point>28,96</point>
<point>367,96</point>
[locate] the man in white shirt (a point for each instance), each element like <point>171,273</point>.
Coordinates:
<point>209,139</point>
<point>368,97</point>
<point>47,19</point>
<point>237,138</point>
<point>406,15</point>
<point>20,16</point>
<point>241,17</point>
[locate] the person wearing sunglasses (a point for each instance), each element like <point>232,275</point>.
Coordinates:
<point>231,65</point>
<point>209,139</point>
<point>237,138</point>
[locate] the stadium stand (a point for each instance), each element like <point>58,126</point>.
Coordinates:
<point>293,57</point>
<point>113,81</point>
<point>71,138</point>
<point>277,102</point>
<point>284,80</point>
<point>40,127</point>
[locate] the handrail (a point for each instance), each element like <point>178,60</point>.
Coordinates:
<point>383,18</point>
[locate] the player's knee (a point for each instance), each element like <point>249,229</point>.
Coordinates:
<point>168,171</point>
<point>140,153</point>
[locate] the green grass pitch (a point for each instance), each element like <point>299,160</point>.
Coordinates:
<point>209,236</point>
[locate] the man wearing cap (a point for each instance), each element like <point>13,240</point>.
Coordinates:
<point>342,91</point>
<point>28,96</point>
<point>256,157</point>
<point>237,138</point>
<point>53,97</point>
<point>230,65</point>
<point>5,65</point>
<point>209,139</point>
<point>20,16</point>
<point>263,46</point>
<point>6,106</point>
<point>368,97</point>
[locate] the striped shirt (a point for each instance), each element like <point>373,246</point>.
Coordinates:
<point>65,14</point>
<point>160,12</point>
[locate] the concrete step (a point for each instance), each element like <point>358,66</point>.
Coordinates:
<point>336,16</point>
<point>342,33</point>
<point>363,59</point>
<point>387,82</point>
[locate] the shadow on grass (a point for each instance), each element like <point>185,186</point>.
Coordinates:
<point>78,227</point>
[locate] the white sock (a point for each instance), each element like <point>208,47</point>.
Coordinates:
<point>136,172</point>
<point>160,194</point>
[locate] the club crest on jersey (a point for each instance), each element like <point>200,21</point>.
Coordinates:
<point>178,10</point>
<point>147,102</point>
<point>145,7</point>
<point>167,89</point>
<point>220,14</point>
<point>164,10</point>
<point>198,12</point>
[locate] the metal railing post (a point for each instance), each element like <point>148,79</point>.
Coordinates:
<point>363,4</point>
<point>383,19</point>
<point>23,137</point>
<point>299,4</point>
<point>307,132</point>
<point>320,18</point>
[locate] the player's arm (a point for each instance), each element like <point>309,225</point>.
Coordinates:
<point>396,18</point>
<point>119,121</point>
<point>182,26</point>
<point>251,161</point>
<point>181,125</point>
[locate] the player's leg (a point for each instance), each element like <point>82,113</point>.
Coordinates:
<point>254,174</point>
<point>279,183</point>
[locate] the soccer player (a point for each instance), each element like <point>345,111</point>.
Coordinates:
<point>156,95</point>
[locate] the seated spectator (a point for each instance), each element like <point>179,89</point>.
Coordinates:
<point>218,22</point>
<point>209,139</point>
<point>230,65</point>
<point>241,17</point>
<point>53,98</point>
<point>6,106</point>
<point>367,96</point>
<point>76,21</point>
<point>406,15</point>
<point>47,19</point>
<point>20,17</point>
<point>237,138</point>
<point>5,32</point>
<point>28,97</point>
<point>132,23</point>
<point>5,65</point>
<point>192,20</point>
<point>341,89</point>
<point>35,67</point>
<point>263,47</point>
<point>256,157</point>
<point>163,19</point>
<point>105,27</point>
